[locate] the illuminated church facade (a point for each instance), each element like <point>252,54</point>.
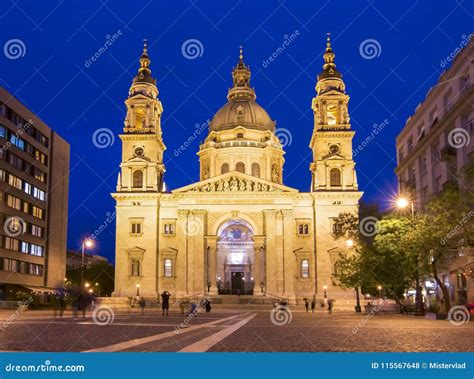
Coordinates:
<point>239,229</point>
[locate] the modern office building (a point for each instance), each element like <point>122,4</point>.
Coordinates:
<point>34,181</point>
<point>433,150</point>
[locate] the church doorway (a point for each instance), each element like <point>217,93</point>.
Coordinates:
<point>235,259</point>
<point>237,283</point>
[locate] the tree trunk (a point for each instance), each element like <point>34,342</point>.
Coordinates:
<point>444,289</point>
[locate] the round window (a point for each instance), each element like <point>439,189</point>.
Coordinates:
<point>139,151</point>
<point>334,149</point>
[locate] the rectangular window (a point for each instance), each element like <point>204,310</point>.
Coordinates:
<point>136,228</point>
<point>39,194</point>
<point>11,265</point>
<point>168,229</point>
<point>12,244</point>
<point>37,230</point>
<point>17,141</point>
<point>168,268</point>
<point>27,188</point>
<point>25,247</point>
<point>36,250</point>
<point>37,212</point>
<point>14,202</point>
<point>3,131</point>
<point>2,175</point>
<point>303,229</point>
<point>15,161</point>
<point>38,174</point>
<point>15,181</point>
<point>35,269</point>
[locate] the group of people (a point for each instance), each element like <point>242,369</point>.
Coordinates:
<point>330,304</point>
<point>80,302</point>
<point>165,305</point>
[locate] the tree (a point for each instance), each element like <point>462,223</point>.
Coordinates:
<point>444,225</point>
<point>381,259</point>
<point>101,273</point>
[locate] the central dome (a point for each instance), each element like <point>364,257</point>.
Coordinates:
<point>242,112</point>
<point>241,108</point>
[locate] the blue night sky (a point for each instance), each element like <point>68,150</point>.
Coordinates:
<point>76,98</point>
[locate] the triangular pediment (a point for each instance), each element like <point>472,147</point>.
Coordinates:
<point>336,157</point>
<point>139,159</point>
<point>235,181</point>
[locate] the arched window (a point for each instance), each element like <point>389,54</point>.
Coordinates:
<point>224,168</point>
<point>305,268</point>
<point>168,268</point>
<point>138,179</point>
<point>335,177</point>
<point>240,167</point>
<point>256,170</point>
<point>332,114</point>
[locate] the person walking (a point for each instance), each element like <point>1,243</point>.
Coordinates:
<point>165,302</point>
<point>142,304</point>
<point>306,304</point>
<point>207,303</point>
<point>330,305</point>
<point>313,304</point>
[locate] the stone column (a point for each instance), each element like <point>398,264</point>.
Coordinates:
<point>181,258</point>
<point>197,251</point>
<point>258,264</point>
<point>271,253</point>
<point>288,255</point>
<point>211,242</point>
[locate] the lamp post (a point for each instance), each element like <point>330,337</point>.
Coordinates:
<point>86,243</point>
<point>138,289</point>
<point>380,291</point>
<point>325,288</point>
<point>403,202</point>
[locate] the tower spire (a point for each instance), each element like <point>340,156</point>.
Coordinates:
<point>144,72</point>
<point>241,79</point>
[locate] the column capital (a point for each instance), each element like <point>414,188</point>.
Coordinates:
<point>199,212</point>
<point>211,241</point>
<point>183,212</point>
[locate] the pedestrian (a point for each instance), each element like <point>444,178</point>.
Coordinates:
<point>208,305</point>
<point>306,304</point>
<point>313,304</point>
<point>142,304</point>
<point>330,304</point>
<point>194,309</point>
<point>165,302</point>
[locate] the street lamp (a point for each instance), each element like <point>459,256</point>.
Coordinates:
<point>325,288</point>
<point>86,243</point>
<point>349,243</point>
<point>380,291</point>
<point>402,203</point>
<point>138,289</point>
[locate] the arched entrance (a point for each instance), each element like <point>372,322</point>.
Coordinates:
<point>235,258</point>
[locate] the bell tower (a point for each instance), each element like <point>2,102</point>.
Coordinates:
<point>333,168</point>
<point>142,165</point>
